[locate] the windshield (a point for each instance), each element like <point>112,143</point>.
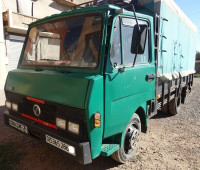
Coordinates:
<point>70,42</point>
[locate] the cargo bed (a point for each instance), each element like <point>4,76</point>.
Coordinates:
<point>176,52</point>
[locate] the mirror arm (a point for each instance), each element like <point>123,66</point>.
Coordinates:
<point>137,35</point>
<point>135,17</point>
<point>135,59</point>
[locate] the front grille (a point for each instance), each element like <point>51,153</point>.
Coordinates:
<point>14,97</point>
<point>48,112</point>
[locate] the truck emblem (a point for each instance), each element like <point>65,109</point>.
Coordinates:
<point>36,110</point>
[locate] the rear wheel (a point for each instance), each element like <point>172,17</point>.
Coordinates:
<point>131,140</point>
<point>174,105</point>
<point>184,95</point>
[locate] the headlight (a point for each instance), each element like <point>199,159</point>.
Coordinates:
<point>73,127</point>
<point>61,123</point>
<point>8,104</point>
<point>15,107</point>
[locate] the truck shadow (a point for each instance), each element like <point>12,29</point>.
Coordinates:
<point>102,163</point>
<point>2,109</point>
<point>161,115</point>
<point>49,158</point>
<point>37,155</point>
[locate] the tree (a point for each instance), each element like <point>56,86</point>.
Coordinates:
<point>198,55</point>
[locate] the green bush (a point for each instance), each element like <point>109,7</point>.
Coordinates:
<point>198,55</point>
<point>197,75</point>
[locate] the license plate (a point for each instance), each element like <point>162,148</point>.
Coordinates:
<point>18,126</point>
<point>59,144</point>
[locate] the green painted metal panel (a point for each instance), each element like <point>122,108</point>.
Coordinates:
<point>95,103</point>
<point>68,89</point>
<point>124,94</point>
<point>108,149</point>
<point>126,91</point>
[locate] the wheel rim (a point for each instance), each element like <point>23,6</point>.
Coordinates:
<point>132,139</point>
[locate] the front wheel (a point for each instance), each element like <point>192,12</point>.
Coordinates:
<point>131,140</point>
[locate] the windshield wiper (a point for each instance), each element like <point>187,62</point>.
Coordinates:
<point>52,62</point>
<point>36,67</point>
<point>47,59</point>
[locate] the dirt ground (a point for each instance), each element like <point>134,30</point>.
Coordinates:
<point>172,142</point>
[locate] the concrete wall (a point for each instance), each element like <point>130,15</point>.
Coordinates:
<point>41,8</point>
<point>9,4</point>
<point>44,8</point>
<point>2,52</point>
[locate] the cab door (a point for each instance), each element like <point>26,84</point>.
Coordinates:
<point>126,86</point>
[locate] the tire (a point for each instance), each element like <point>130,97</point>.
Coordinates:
<point>174,105</point>
<point>183,100</point>
<point>184,95</point>
<point>131,140</point>
<point>165,109</point>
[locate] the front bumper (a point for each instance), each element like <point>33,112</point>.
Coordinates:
<point>82,150</point>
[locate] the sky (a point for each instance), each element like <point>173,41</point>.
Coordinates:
<point>192,9</point>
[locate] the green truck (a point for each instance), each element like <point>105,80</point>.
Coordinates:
<point>88,79</point>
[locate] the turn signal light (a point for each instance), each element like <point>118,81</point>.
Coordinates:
<point>97,120</point>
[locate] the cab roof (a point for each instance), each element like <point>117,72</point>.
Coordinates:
<point>76,12</point>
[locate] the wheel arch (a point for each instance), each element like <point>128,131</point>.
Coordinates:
<point>141,113</point>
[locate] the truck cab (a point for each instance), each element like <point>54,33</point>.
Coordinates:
<point>83,86</point>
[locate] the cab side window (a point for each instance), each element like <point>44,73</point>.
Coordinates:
<point>127,33</point>
<point>115,55</point>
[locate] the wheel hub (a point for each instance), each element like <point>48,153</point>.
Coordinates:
<point>132,138</point>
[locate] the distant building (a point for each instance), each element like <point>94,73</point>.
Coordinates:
<point>16,15</point>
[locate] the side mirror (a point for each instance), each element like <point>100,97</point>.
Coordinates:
<point>139,39</point>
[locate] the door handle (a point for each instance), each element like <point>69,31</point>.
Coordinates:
<point>150,77</point>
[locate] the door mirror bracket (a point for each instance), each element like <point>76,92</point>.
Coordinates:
<point>123,69</point>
